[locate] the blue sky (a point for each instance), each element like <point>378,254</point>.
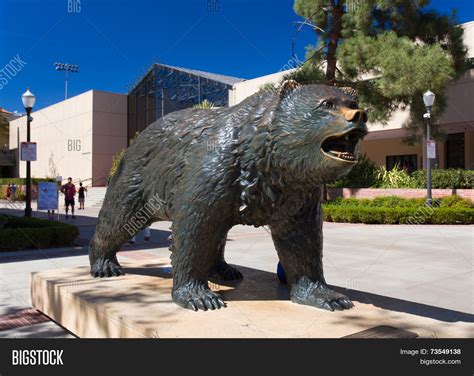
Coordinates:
<point>114,41</point>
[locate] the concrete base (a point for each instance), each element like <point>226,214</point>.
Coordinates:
<point>139,305</point>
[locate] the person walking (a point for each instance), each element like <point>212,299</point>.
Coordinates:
<point>9,192</point>
<point>13,192</point>
<point>69,190</point>
<point>82,196</point>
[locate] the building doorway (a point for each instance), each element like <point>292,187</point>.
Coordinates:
<point>455,150</point>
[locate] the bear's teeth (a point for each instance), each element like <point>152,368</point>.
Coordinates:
<point>343,155</point>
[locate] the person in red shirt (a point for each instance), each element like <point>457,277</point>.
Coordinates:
<point>69,191</point>
<point>9,192</point>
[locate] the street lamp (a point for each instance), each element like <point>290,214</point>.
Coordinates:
<point>28,99</point>
<point>428,99</point>
<point>68,68</point>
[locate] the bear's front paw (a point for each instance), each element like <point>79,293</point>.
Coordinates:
<point>106,268</point>
<point>318,294</point>
<point>196,295</point>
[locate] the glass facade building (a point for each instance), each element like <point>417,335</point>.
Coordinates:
<point>165,89</point>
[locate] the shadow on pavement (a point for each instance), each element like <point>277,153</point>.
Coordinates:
<point>260,285</point>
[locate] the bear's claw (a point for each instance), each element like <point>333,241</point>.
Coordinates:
<point>106,268</point>
<point>318,294</point>
<point>197,296</point>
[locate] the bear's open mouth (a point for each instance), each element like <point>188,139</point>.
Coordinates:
<point>343,147</point>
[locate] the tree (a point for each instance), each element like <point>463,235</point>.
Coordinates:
<point>52,168</point>
<point>389,51</point>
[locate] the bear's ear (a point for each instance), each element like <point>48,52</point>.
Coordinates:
<point>351,92</point>
<point>287,86</point>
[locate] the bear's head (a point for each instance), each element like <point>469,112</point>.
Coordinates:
<point>314,133</point>
<point>299,137</point>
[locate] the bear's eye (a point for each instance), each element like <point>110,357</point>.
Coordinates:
<point>327,104</point>
<point>353,106</point>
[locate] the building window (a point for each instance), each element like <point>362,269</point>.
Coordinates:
<point>406,162</point>
<point>455,150</point>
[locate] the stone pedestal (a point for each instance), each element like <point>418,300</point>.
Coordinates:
<point>139,305</point>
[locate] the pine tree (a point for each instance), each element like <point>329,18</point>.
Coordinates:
<point>390,51</point>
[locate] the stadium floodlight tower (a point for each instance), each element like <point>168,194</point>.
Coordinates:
<point>68,68</point>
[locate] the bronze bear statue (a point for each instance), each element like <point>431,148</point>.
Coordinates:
<point>261,162</point>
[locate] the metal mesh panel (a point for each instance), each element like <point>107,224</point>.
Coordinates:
<point>165,89</point>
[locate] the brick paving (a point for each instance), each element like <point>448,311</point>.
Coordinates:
<point>21,318</point>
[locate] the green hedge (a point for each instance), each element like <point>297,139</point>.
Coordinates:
<point>451,178</point>
<point>398,215</point>
<point>17,233</point>
<point>367,174</point>
<point>21,181</point>
<point>453,201</point>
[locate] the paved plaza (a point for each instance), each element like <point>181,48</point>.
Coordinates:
<point>422,270</point>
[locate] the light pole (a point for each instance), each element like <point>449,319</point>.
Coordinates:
<point>428,99</point>
<point>28,99</point>
<point>68,68</point>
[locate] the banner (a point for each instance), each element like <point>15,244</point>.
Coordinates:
<point>47,196</point>
<point>28,151</point>
<point>431,149</point>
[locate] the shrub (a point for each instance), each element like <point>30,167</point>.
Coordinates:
<point>394,178</point>
<point>453,201</point>
<point>351,201</point>
<point>22,181</point>
<point>205,105</point>
<point>397,201</point>
<point>446,179</point>
<point>362,175</point>
<point>405,215</point>
<point>117,158</point>
<point>20,196</point>
<point>19,233</point>
<point>382,201</point>
<point>115,163</point>
<point>366,174</point>
<point>456,201</point>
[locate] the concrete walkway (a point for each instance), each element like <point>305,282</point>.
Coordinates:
<point>425,270</point>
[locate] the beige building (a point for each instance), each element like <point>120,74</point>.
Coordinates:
<point>76,137</point>
<point>244,89</point>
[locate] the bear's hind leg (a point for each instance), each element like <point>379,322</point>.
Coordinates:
<point>111,233</point>
<point>105,244</point>
<point>223,271</point>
